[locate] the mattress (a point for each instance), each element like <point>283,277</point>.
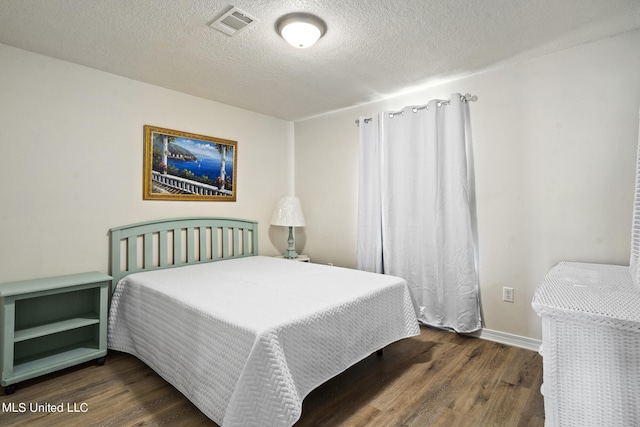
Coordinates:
<point>247,339</point>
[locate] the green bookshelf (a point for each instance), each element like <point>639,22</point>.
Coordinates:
<point>51,324</point>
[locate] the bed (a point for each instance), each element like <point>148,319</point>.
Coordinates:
<point>244,337</point>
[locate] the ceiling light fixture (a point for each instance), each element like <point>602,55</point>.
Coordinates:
<point>300,29</point>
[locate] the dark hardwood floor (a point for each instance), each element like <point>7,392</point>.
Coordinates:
<point>435,379</point>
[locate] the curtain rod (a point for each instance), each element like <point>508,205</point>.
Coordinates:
<point>464,98</point>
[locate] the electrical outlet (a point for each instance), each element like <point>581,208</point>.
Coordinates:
<point>507,294</point>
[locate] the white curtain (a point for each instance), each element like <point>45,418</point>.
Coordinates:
<point>416,208</point>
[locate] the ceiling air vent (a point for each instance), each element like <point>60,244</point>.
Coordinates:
<point>233,21</point>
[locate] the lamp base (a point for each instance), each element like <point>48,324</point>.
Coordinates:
<point>290,254</point>
<point>291,250</point>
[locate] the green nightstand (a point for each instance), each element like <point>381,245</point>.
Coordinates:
<point>51,324</point>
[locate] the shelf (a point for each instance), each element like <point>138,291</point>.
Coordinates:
<point>51,324</point>
<point>53,361</point>
<point>55,284</point>
<point>54,327</point>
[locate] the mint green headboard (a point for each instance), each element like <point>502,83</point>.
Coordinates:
<point>177,242</point>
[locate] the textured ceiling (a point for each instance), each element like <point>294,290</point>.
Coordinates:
<point>372,49</point>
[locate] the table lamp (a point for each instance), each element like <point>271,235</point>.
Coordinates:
<point>288,213</point>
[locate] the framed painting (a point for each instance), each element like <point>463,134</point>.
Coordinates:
<point>185,166</point>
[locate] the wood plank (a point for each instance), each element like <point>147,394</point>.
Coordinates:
<point>449,418</point>
<point>437,379</point>
<point>148,251</point>
<point>78,321</point>
<point>225,242</point>
<point>177,246</point>
<point>163,249</point>
<point>236,244</point>
<point>505,405</point>
<point>215,253</point>
<point>245,242</point>
<point>203,243</point>
<point>191,251</point>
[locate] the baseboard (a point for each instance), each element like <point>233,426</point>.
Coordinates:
<point>508,339</point>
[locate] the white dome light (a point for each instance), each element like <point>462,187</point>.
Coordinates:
<point>301,30</point>
<point>300,34</point>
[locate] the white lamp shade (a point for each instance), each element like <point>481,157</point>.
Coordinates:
<point>288,213</point>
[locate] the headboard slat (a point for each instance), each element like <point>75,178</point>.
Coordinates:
<point>148,253</point>
<point>163,250</point>
<point>225,242</point>
<point>215,254</point>
<point>141,239</point>
<point>236,248</point>
<point>203,243</point>
<point>177,246</point>
<point>132,253</point>
<point>190,246</point>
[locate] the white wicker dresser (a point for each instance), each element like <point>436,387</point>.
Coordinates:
<point>590,345</point>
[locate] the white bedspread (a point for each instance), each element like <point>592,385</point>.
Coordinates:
<point>247,339</point>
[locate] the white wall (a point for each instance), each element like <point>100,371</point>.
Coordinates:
<point>71,150</point>
<point>555,141</point>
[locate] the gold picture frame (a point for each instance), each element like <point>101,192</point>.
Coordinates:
<point>185,166</point>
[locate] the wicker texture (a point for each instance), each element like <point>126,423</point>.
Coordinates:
<point>634,260</point>
<point>591,339</point>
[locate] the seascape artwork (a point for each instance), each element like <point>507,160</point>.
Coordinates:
<point>188,166</point>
